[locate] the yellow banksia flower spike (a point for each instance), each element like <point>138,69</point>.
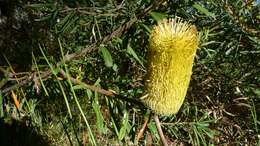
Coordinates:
<point>172,47</point>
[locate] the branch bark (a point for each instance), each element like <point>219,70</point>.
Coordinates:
<point>101,90</point>
<point>159,129</point>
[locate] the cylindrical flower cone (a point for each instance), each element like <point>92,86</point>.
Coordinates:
<point>172,47</point>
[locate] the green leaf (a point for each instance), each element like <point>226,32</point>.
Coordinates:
<point>97,82</point>
<point>257,92</point>
<point>115,67</point>
<point>131,51</point>
<point>78,87</point>
<point>106,56</point>
<point>147,28</point>
<point>99,118</point>
<point>122,133</point>
<point>153,129</point>
<point>125,126</point>
<point>89,93</point>
<point>203,10</point>
<point>39,6</point>
<point>158,16</point>
<point>44,18</point>
<point>67,23</point>
<point>114,125</point>
<point>96,107</point>
<point>55,71</point>
<point>125,122</point>
<point>202,125</point>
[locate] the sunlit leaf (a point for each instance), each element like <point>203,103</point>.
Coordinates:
<point>203,10</point>
<point>131,51</point>
<point>153,129</point>
<point>158,16</point>
<point>147,28</point>
<point>106,56</point>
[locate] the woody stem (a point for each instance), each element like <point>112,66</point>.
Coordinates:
<point>159,129</point>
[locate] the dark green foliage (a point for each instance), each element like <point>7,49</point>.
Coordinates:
<point>221,107</point>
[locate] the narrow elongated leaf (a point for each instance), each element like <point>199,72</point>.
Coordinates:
<point>78,87</point>
<point>122,133</point>
<point>96,107</point>
<point>106,56</point>
<point>203,10</point>
<point>158,16</point>
<point>99,118</point>
<point>40,6</point>
<point>125,127</point>
<point>147,28</point>
<point>131,51</point>
<point>153,129</point>
<point>67,23</point>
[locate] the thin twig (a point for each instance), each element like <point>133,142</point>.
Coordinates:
<point>142,130</point>
<point>91,87</point>
<point>158,126</point>
<point>101,90</point>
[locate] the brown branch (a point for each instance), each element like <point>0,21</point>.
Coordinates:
<point>159,129</point>
<point>142,130</point>
<point>91,87</point>
<point>101,90</point>
<point>22,83</point>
